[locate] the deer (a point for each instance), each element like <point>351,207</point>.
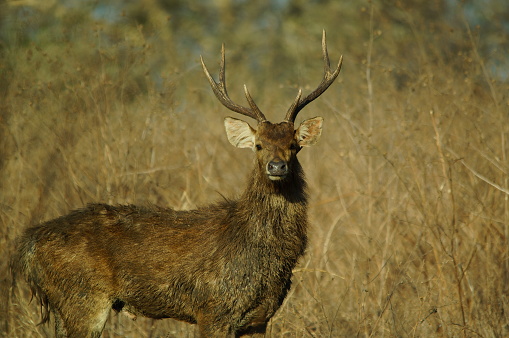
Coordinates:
<point>226,267</point>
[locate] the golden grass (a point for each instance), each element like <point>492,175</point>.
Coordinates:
<point>409,185</point>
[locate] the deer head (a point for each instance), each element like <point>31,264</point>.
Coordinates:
<point>275,144</point>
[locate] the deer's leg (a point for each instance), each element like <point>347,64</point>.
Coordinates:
<point>85,319</point>
<point>60,331</point>
<point>255,330</point>
<point>211,326</point>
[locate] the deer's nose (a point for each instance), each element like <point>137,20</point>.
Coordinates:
<point>277,168</point>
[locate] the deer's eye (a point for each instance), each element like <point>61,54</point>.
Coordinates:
<point>258,147</point>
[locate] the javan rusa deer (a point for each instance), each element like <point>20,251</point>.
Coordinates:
<point>226,267</point>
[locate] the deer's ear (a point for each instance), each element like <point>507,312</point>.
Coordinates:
<point>309,131</point>
<point>239,133</point>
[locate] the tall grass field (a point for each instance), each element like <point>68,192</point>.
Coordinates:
<point>409,184</point>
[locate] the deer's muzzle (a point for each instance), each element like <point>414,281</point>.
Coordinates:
<point>277,169</point>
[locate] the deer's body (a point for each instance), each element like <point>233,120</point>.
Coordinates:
<point>226,267</point>
<point>228,260</point>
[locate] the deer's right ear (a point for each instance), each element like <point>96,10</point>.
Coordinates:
<point>239,133</point>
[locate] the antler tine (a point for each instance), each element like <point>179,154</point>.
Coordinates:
<point>221,93</point>
<point>328,78</point>
<point>260,117</point>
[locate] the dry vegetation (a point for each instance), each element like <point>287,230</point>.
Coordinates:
<point>409,183</point>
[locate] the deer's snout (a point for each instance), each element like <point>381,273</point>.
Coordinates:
<point>277,169</point>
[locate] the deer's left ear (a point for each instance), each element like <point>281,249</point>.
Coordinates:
<point>309,131</point>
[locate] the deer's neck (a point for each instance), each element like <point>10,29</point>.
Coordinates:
<point>276,211</point>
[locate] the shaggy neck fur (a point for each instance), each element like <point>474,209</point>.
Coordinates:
<point>276,211</point>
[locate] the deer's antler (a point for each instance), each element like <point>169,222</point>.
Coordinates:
<point>222,95</point>
<point>328,78</point>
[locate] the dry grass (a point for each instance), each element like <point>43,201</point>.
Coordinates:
<point>409,184</point>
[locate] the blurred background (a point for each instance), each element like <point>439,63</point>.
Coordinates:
<point>106,101</point>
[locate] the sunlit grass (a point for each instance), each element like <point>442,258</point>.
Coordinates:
<point>409,184</point>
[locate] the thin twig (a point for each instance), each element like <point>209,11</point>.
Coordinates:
<point>478,175</point>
